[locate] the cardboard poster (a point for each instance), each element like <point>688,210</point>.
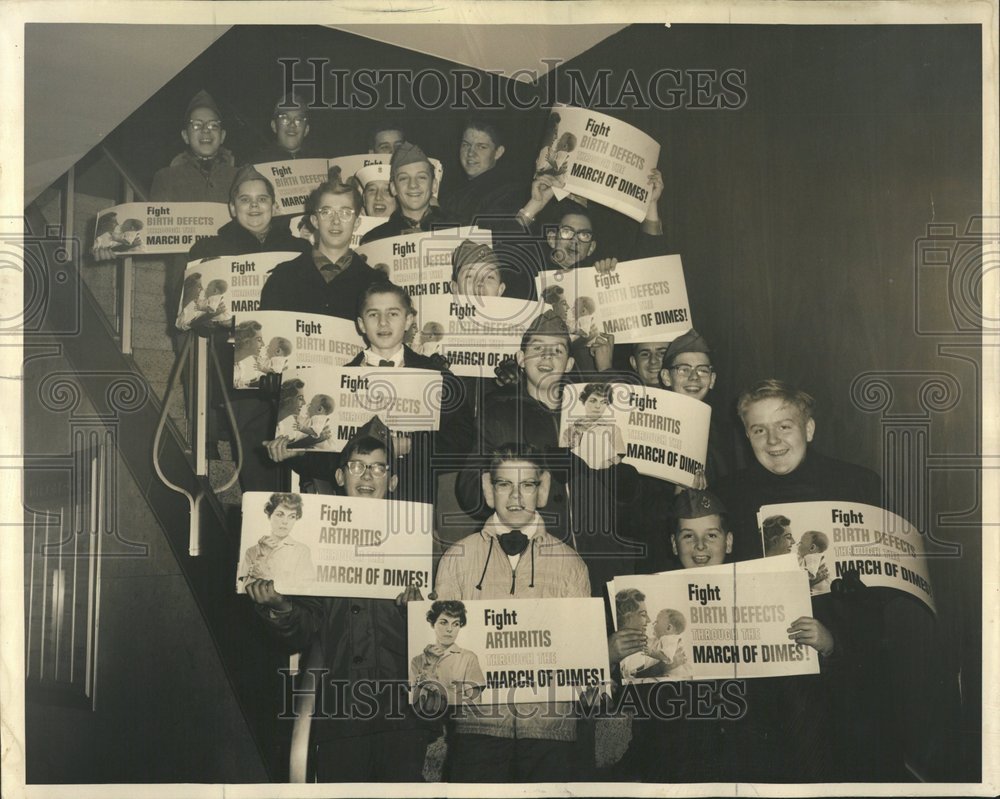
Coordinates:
<point>156,228</point>
<point>830,538</point>
<point>662,433</point>
<point>474,334</point>
<point>285,342</point>
<point>293,180</point>
<point>350,164</point>
<point>642,300</point>
<point>600,158</point>
<point>217,289</point>
<point>337,400</point>
<point>716,622</point>
<point>509,651</point>
<point>325,545</point>
<point>421,262</point>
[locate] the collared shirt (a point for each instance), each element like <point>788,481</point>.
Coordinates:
<point>330,269</point>
<point>494,527</point>
<point>372,358</point>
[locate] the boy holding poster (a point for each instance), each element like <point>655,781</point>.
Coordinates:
<point>738,724</point>
<point>352,641</point>
<point>385,313</point>
<point>513,556</point>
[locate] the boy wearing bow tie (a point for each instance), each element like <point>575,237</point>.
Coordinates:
<point>513,556</point>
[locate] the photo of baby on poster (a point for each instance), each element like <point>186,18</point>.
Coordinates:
<point>829,539</point>
<point>216,290</point>
<point>727,621</point>
<point>286,343</point>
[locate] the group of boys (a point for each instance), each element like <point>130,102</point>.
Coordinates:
<point>554,521</point>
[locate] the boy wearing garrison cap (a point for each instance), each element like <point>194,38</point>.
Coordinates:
<point>687,369</point>
<point>204,172</point>
<point>290,126</point>
<point>413,184</point>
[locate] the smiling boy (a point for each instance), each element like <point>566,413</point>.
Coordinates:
<point>413,184</point>
<point>779,424</point>
<point>350,641</point>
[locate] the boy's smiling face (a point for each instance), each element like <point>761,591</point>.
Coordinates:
<point>544,359</point>
<point>515,490</point>
<point>701,542</point>
<point>366,484</point>
<point>384,321</point>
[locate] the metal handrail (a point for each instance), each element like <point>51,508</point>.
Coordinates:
<point>137,190</point>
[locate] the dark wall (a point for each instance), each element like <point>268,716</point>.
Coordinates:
<point>802,219</point>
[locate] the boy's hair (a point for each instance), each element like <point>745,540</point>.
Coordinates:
<point>289,102</point>
<point>516,452</point>
<point>293,501</point>
<point>548,324</point>
<point>567,206</point>
<point>627,601</point>
<point>774,528</point>
<point>676,619</point>
<point>283,345</point>
<point>596,388</point>
<point>775,389</point>
<point>385,125</point>
<point>337,188</point>
<point>447,607</point>
<point>814,538</point>
<point>386,287</point>
<point>365,445</point>
<point>483,126</point>
<point>217,286</point>
<point>325,402</point>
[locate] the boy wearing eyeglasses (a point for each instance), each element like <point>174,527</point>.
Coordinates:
<point>205,170</point>
<point>329,279</point>
<point>290,126</point>
<point>357,647</point>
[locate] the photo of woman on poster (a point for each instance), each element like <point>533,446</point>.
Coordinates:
<point>595,437</point>
<point>444,673</point>
<point>278,556</point>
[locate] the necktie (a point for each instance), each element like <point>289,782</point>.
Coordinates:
<point>384,362</point>
<point>513,543</point>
